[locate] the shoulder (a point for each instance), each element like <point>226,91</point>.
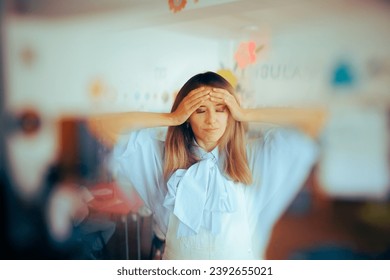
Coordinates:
<point>258,141</point>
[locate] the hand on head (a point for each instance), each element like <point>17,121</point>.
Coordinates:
<point>222,96</point>
<point>198,96</point>
<point>190,103</point>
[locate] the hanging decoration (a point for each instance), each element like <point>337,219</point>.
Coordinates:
<point>246,54</point>
<point>177,5</point>
<point>96,89</point>
<point>100,92</point>
<point>28,56</point>
<point>343,75</point>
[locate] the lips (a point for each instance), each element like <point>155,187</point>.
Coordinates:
<point>211,129</point>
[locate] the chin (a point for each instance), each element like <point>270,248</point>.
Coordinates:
<point>213,139</point>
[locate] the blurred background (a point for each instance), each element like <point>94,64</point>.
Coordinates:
<point>63,61</point>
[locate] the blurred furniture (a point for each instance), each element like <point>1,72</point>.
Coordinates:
<point>329,228</point>
<point>109,198</point>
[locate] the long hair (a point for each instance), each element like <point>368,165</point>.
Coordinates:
<point>180,139</point>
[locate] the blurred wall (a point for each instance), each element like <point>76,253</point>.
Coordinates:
<point>70,67</point>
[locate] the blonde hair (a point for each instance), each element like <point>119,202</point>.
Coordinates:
<point>180,139</point>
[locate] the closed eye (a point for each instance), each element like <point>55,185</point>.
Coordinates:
<point>220,109</point>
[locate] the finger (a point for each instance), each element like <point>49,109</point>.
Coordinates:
<point>196,106</point>
<point>221,93</point>
<point>204,92</point>
<point>218,100</point>
<point>222,90</point>
<point>197,101</point>
<point>225,97</point>
<point>198,91</point>
<point>188,105</point>
<point>201,94</point>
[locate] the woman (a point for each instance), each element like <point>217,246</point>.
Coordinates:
<point>213,195</point>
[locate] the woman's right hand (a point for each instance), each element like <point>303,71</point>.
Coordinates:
<point>190,103</point>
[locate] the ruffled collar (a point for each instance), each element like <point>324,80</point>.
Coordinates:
<point>200,195</point>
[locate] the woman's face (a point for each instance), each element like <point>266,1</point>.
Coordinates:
<point>209,123</point>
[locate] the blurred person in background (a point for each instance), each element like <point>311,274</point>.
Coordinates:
<point>45,213</point>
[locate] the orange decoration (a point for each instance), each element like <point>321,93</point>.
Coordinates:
<point>177,5</point>
<point>96,88</point>
<point>27,56</point>
<point>246,54</point>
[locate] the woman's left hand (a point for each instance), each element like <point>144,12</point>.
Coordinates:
<point>223,96</point>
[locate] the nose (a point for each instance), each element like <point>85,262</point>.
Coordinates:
<point>211,117</point>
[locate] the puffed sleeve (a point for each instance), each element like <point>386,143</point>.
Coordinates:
<point>137,159</point>
<point>280,162</point>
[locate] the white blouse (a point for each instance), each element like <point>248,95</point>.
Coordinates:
<point>202,213</point>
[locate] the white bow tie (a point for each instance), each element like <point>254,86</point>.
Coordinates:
<point>199,196</point>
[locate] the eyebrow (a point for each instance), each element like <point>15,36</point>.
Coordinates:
<point>217,105</point>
